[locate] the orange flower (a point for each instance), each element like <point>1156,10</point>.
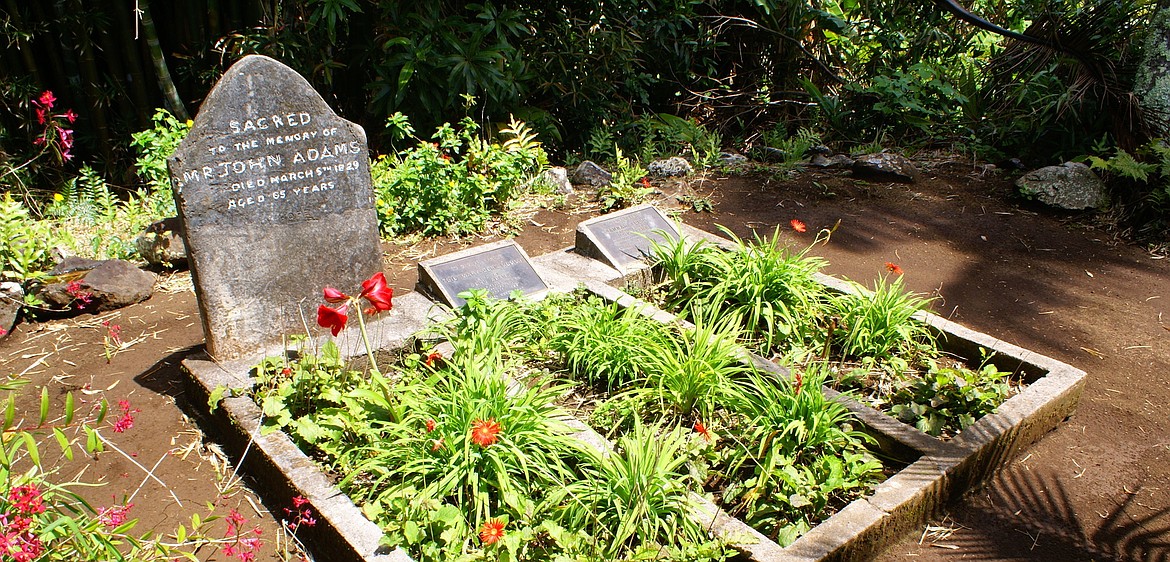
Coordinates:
<point>491,531</point>
<point>798,225</point>
<point>483,432</point>
<point>646,182</point>
<point>430,425</point>
<point>893,268</point>
<point>702,430</point>
<point>433,357</point>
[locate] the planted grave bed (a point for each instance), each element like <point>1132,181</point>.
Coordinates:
<point>591,425</point>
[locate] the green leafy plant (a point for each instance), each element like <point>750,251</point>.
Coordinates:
<point>947,400</point>
<point>797,459</point>
<point>453,185</point>
<point>25,243</point>
<point>627,187</point>
<point>880,323</point>
<point>794,147</point>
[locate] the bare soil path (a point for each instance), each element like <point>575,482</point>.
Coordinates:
<point>1097,488</point>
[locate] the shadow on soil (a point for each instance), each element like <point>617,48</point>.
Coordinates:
<point>1035,506</point>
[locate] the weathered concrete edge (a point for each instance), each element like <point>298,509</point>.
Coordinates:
<point>280,468</point>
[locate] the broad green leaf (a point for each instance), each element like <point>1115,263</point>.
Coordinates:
<point>44,406</point>
<point>63,441</point>
<point>30,445</point>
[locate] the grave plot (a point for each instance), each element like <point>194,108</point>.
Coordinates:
<point>931,470</point>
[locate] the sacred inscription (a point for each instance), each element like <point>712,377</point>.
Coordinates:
<point>624,238</point>
<point>274,193</point>
<point>498,268</point>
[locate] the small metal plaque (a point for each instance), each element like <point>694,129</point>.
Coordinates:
<point>500,268</point>
<point>623,239</point>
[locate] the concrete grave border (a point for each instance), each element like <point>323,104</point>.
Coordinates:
<point>942,471</point>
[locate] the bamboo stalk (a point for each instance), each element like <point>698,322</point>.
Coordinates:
<point>170,93</point>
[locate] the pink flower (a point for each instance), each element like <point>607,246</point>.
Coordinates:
<point>26,499</point>
<point>46,99</point>
<point>332,318</point>
<point>69,115</point>
<point>114,515</point>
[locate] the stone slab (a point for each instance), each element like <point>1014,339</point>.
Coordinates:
<point>500,268</point>
<point>622,239</point>
<point>273,191</point>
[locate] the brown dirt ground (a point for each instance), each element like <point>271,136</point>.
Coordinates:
<point>1096,488</point>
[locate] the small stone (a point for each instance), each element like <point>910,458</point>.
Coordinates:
<point>731,159</point>
<point>161,244</point>
<point>672,167</point>
<point>1071,186</point>
<point>588,173</point>
<point>831,162</point>
<point>884,165</point>
<point>11,301</point>
<point>558,178</point>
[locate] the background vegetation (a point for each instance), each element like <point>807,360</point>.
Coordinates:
<point>747,72</point>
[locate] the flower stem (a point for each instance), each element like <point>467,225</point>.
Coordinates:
<point>366,339</point>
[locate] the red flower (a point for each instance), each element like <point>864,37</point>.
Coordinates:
<point>41,115</point>
<point>433,357</point>
<point>702,430</point>
<point>46,99</point>
<point>483,432</point>
<point>333,296</point>
<point>299,501</point>
<point>799,382</point>
<point>646,182</point>
<point>114,515</point>
<point>69,115</point>
<point>332,318</point>
<point>491,531</point>
<point>26,499</point>
<point>127,419</point>
<point>893,268</point>
<point>798,225</point>
<point>430,425</point>
<point>375,290</point>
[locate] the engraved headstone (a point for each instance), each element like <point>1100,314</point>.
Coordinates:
<point>273,189</point>
<point>499,267</point>
<point>622,239</point>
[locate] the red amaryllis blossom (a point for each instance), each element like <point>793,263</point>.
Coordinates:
<point>798,225</point>
<point>491,532</point>
<point>334,296</point>
<point>377,292</point>
<point>702,430</point>
<point>484,432</point>
<point>893,268</point>
<point>332,318</point>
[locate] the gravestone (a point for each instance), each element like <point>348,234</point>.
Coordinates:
<point>623,238</point>
<point>273,189</point>
<point>499,267</point>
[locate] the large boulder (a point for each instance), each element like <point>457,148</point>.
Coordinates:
<point>161,244</point>
<point>107,285</point>
<point>588,173</point>
<point>885,166</point>
<point>833,161</point>
<point>1071,186</point>
<point>672,167</point>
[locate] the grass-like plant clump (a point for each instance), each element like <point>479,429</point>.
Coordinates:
<point>873,339</point>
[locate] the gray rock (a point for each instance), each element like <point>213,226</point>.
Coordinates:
<point>588,173</point>
<point>885,166</point>
<point>161,244</point>
<point>73,264</point>
<point>11,301</point>
<point>831,162</point>
<point>273,189</point>
<point>731,159</point>
<point>672,167</point>
<point>111,285</point>
<point>1072,186</point>
<point>558,178</point>
<point>770,154</point>
<point>821,149</point>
